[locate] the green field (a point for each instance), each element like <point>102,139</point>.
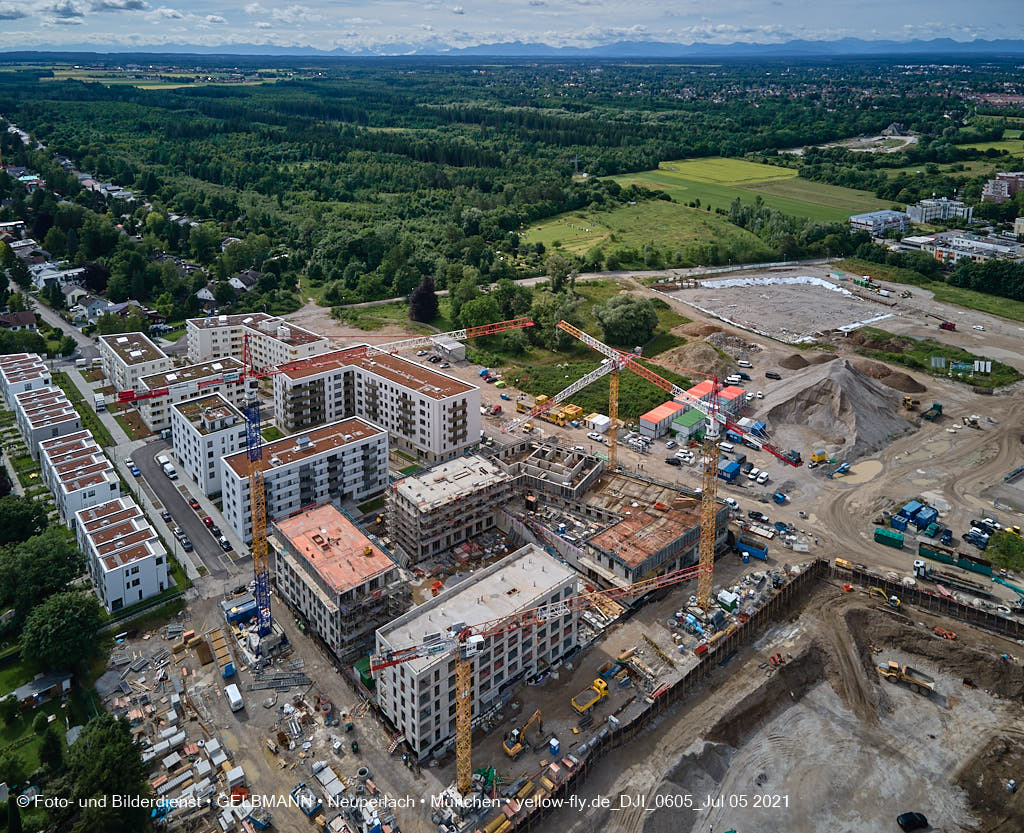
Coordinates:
<point>717,182</point>
<point>975,168</point>
<point>667,225</point>
<point>1007,145</point>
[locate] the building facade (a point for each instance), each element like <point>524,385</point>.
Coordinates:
<point>426,413</point>
<point>1003,187</point>
<point>20,372</point>
<point>223,376</point>
<point>346,459</point>
<point>128,357</point>
<point>435,510</point>
<point>939,208</point>
<point>203,432</point>
<point>127,562</point>
<point>341,580</point>
<point>44,414</point>
<point>78,473</point>
<point>418,696</point>
<point>273,340</point>
<point>878,223</point>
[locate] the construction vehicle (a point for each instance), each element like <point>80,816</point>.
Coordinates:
<point>556,416</point>
<point>944,633</point>
<point>843,469</point>
<point>249,377</point>
<point>590,697</point>
<point>910,403</point>
<point>947,325</point>
<point>972,421</point>
<point>918,681</point>
<point>934,412</point>
<point>515,742</point>
<point>466,641</point>
<point>893,601</point>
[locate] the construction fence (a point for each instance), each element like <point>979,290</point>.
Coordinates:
<point>608,739</point>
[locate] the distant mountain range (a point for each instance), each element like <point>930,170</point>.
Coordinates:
<point>846,47</point>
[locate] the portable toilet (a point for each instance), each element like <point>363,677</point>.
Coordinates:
<point>553,747</point>
<point>819,455</point>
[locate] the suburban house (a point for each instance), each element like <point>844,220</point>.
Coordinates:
<point>245,281</point>
<point>72,293</point>
<point>90,308</point>
<point>42,687</point>
<point>18,321</point>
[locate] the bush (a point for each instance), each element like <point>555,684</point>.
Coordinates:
<point>39,723</point>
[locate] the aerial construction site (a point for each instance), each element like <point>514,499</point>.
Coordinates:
<point>772,603</point>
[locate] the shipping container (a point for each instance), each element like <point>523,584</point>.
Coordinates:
<point>898,522</point>
<point>974,563</point>
<point>752,548</point>
<point>936,553</point>
<point>911,509</point>
<point>925,517</point>
<point>889,538</point>
<point>729,472</point>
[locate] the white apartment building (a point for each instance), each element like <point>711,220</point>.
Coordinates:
<point>203,432</point>
<point>223,376</point>
<point>418,696</point>
<point>437,509</point>
<point>879,222</point>
<point>127,562</point>
<point>347,459</point>
<point>78,473</point>
<point>20,372</point>
<point>127,357</point>
<point>44,414</point>
<point>426,413</point>
<point>939,208</point>
<point>273,340</point>
<point>342,582</point>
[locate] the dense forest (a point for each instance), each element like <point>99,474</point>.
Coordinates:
<point>371,175</point>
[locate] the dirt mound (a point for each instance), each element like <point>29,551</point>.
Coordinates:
<point>821,358</point>
<point>895,344</point>
<point>794,362</point>
<point>700,356</point>
<point>834,404</point>
<point>697,329</point>
<point>903,382</point>
<point>876,370</point>
<point>734,345</point>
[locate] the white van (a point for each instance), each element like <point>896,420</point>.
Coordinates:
<point>234,697</point>
<point>743,363</point>
<point>728,448</point>
<point>733,380</point>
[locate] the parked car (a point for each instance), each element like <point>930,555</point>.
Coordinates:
<point>193,503</point>
<point>179,533</point>
<point>771,374</point>
<point>135,471</point>
<point>128,461</point>
<point>491,380</point>
<point>225,544</point>
<point>434,359</point>
<point>746,467</point>
<point>742,376</point>
<point>911,821</point>
<point>166,516</point>
<point>186,544</point>
<point>672,461</point>
<point>215,531</point>
<point>753,473</point>
<point>760,394</point>
<point>758,516</point>
<point>731,502</point>
<point>506,397</point>
<point>208,522</point>
<point>977,327</point>
<point>421,352</point>
<point>593,435</point>
<point>762,478</point>
<point>444,365</point>
<point>670,444</point>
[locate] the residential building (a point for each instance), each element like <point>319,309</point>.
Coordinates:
<point>1003,187</point>
<point>44,274</point>
<point>342,581</point>
<point>78,473</point>
<point>203,432</point>
<point>18,321</point>
<point>426,412</point>
<point>223,376</point>
<point>73,293</point>
<point>245,281</point>
<point>1018,227</point>
<point>346,459</point>
<point>418,696</point>
<point>939,208</point>
<point>20,372</point>
<point>127,562</point>
<point>956,246</point>
<point>43,414</point>
<point>90,308</point>
<point>128,357</point>
<point>273,340</point>
<point>878,223</point>
<point>437,509</point>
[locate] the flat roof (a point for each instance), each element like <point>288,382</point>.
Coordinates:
<point>689,418</point>
<point>321,440</point>
<point>202,413</point>
<point>334,547</point>
<point>394,369</point>
<point>663,411</point>
<point>192,373</point>
<point>92,476</point>
<point>261,322</point>
<point>731,392</point>
<point>514,583</point>
<point>643,532</point>
<point>19,367</point>
<point>56,444</point>
<point>130,554</point>
<point>96,516</point>
<point>449,481</point>
<point>133,348</point>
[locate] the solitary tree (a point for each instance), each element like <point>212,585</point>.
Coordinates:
<point>22,518</point>
<point>62,631</point>
<point>423,302</point>
<point>627,320</point>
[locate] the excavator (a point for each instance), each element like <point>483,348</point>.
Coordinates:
<point>515,741</point>
<point>893,601</point>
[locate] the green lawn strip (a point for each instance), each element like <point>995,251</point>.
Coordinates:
<point>90,420</point>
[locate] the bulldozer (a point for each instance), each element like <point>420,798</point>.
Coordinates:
<point>893,601</point>
<point>515,742</point>
<point>910,403</point>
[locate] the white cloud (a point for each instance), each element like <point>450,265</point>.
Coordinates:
<point>296,14</point>
<point>263,24</point>
<point>255,8</point>
<point>167,13</point>
<point>11,12</point>
<point>458,10</point>
<point>119,6</point>
<point>65,10</point>
<point>214,18</point>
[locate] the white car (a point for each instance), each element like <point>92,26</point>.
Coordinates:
<point>421,352</point>
<point>753,473</point>
<point>683,455</point>
<point>760,394</point>
<point>762,478</point>
<point>977,327</point>
<point>670,444</point>
<point>593,435</point>
<point>731,502</point>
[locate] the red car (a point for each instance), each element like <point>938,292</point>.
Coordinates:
<point>193,503</point>
<point>208,521</point>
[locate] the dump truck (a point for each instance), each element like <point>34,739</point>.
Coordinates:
<point>515,742</point>
<point>934,412</point>
<point>590,697</point>
<point>918,681</point>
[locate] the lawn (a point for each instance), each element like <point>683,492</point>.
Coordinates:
<point>381,315</point>
<point>717,182</point>
<point>1015,146</point>
<point>90,420</point>
<point>271,433</point>
<point>944,292</point>
<point>670,226</point>
<point>970,169</point>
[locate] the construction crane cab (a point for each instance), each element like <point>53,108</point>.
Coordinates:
<point>516,742</point>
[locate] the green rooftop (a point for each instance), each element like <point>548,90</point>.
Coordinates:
<point>689,418</point>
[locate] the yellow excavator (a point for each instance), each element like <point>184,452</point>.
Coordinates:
<point>893,601</point>
<point>515,741</point>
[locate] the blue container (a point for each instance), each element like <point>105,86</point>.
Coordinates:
<point>554,746</point>
<point>759,428</point>
<point>911,509</point>
<point>926,517</point>
<point>898,522</point>
<point>733,437</point>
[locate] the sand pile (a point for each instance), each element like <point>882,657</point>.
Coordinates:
<point>794,362</point>
<point>697,329</point>
<point>834,404</point>
<point>821,358</point>
<point>876,370</point>
<point>699,356</point>
<point>889,377</point>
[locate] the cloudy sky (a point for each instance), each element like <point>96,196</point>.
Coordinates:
<point>358,24</point>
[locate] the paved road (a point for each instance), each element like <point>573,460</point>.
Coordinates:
<point>87,349</point>
<point>206,547</point>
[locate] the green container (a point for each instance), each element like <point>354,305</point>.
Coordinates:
<point>935,554</point>
<point>889,538</point>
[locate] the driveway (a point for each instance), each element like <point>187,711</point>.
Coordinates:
<point>207,549</point>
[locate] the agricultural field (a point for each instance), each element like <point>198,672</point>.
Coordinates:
<point>1015,145</point>
<point>717,182</point>
<point>969,169</point>
<point>666,225</point>
<point>160,80</point>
